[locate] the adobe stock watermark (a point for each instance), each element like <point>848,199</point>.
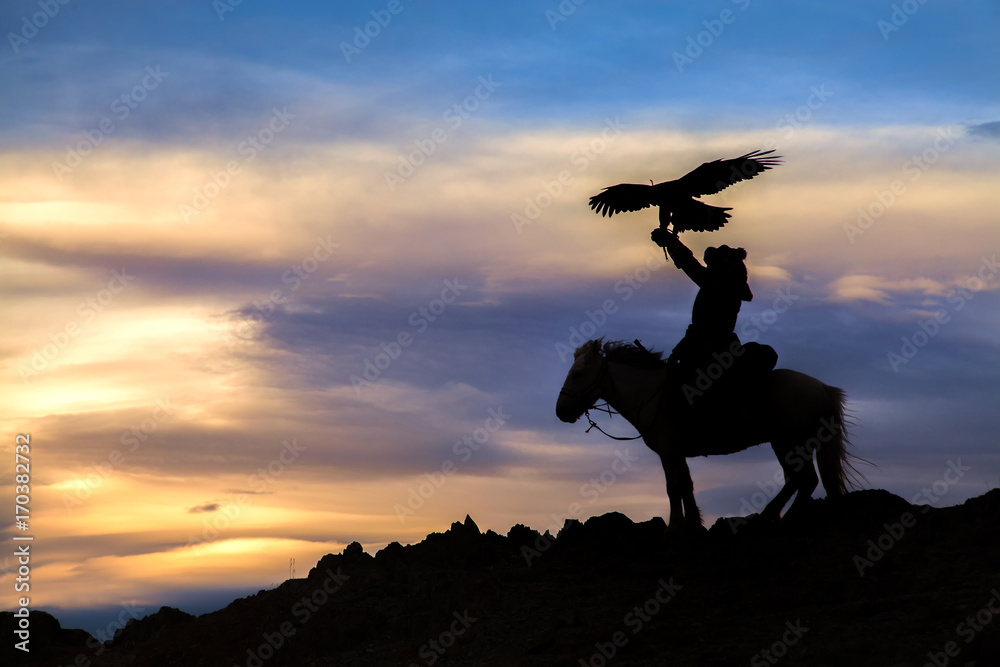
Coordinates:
<point>798,458</point>
<point>710,373</point>
<point>895,531</point>
<point>757,501</point>
<point>967,630</point>
<point>223,516</point>
<point>722,361</point>
<point>698,43</point>
<point>788,124</point>
<point>635,620</point>
<point>562,12</point>
<point>901,13</point>
<point>363,35</point>
<point>130,440</point>
<point>223,7</point>
<point>435,648</point>
<point>580,159</point>
<point>929,328</point>
<point>302,611</point>
<point>419,321</point>
<point>464,448</point>
<point>779,649</point>
<point>294,278</point>
<point>595,319</point>
<point>914,168</point>
<point>751,331</point>
<point>31,25</point>
<point>249,148</point>
<point>591,491</point>
<point>88,309</point>
<point>802,114</point>
<point>454,116</point>
<point>121,107</point>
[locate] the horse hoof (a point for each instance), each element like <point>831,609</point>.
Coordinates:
<point>798,513</point>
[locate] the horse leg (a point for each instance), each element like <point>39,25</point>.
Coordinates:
<point>674,478</point>
<point>772,511</point>
<point>806,479</point>
<point>692,515</point>
<point>684,513</point>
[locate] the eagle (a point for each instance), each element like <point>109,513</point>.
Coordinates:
<point>676,199</point>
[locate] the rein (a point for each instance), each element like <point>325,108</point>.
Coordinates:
<point>606,407</point>
<point>593,424</point>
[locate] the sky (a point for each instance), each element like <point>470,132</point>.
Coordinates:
<point>283,276</point>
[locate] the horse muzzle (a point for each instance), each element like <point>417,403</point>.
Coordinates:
<point>565,411</point>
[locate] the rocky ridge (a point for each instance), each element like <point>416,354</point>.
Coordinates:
<point>867,579</point>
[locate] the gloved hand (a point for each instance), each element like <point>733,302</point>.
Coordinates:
<point>663,237</point>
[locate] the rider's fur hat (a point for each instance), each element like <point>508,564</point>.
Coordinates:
<point>730,260</point>
<point>724,255</point>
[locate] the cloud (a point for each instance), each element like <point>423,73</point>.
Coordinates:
<point>239,393</point>
<point>908,293</point>
<point>990,130</point>
<point>225,368</point>
<point>862,287</point>
<point>207,507</point>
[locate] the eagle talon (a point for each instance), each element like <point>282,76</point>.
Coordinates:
<point>662,237</point>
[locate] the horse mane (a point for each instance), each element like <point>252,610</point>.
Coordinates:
<point>629,354</point>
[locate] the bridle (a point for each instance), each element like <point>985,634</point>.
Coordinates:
<point>577,395</point>
<point>605,407</point>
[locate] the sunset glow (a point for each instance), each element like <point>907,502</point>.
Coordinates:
<point>258,319</point>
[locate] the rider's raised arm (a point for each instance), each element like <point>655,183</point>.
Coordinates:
<point>684,258</point>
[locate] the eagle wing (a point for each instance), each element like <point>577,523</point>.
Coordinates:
<point>623,197</point>
<point>713,177</point>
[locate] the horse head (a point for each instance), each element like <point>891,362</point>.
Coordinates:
<point>582,387</point>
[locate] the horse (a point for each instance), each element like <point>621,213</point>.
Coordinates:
<point>799,415</point>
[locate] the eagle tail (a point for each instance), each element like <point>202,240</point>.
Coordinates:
<point>699,216</point>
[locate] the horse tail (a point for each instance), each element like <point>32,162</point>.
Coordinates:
<point>833,456</point>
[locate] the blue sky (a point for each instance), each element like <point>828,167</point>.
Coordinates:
<point>236,165</point>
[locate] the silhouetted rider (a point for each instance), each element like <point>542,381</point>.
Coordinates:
<point>723,283</point>
<point>711,337</point>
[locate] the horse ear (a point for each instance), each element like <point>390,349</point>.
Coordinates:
<point>597,344</point>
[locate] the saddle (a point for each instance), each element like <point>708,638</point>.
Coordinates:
<point>756,360</point>
<point>724,383</point>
